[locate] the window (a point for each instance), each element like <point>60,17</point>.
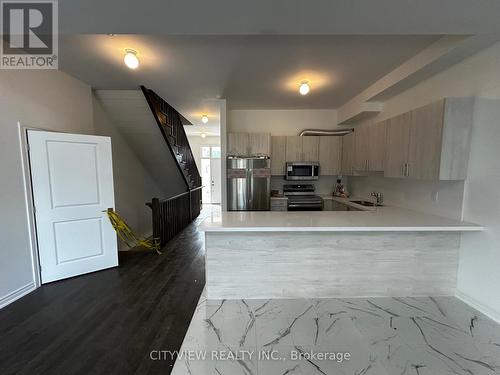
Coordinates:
<point>215,152</point>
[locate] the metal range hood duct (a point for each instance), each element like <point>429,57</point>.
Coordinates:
<point>321,132</point>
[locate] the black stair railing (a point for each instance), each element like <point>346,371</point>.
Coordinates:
<point>173,214</point>
<point>169,120</point>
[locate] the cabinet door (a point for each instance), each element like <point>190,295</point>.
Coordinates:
<point>376,146</point>
<point>397,144</point>
<point>347,154</point>
<point>310,148</point>
<point>330,153</point>
<point>362,142</point>
<point>426,134</point>
<point>294,148</point>
<point>278,156</point>
<point>259,143</point>
<point>237,144</point>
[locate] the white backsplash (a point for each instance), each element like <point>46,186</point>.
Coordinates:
<point>442,198</point>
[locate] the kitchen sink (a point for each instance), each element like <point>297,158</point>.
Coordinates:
<point>367,203</point>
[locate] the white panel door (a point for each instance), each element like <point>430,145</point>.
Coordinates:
<point>72,178</point>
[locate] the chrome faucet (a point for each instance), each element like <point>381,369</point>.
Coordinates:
<point>379,197</point>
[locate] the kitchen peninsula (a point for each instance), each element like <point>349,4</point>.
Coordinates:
<point>385,251</point>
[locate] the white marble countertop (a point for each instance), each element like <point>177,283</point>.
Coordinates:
<point>370,219</point>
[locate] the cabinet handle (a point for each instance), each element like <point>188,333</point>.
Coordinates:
<point>407,170</point>
<point>403,169</point>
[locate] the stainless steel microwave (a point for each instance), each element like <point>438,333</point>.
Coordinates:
<point>301,171</point>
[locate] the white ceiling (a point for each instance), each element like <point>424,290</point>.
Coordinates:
<point>251,72</point>
<point>292,17</point>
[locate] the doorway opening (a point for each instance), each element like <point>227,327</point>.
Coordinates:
<point>211,174</point>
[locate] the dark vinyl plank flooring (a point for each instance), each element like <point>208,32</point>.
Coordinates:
<point>107,322</point>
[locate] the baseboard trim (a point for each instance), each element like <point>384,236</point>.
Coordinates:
<point>490,313</point>
<point>16,294</point>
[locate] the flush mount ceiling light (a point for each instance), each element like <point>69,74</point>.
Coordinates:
<point>203,135</point>
<point>204,119</point>
<point>131,59</point>
<point>304,88</point>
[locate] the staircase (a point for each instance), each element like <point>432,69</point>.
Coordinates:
<point>171,126</point>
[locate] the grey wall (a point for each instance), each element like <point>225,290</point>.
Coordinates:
<point>133,183</point>
<point>43,99</point>
<point>53,100</point>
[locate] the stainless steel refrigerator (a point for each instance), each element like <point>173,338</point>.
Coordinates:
<point>248,183</point>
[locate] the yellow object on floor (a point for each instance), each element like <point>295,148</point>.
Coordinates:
<point>128,236</point>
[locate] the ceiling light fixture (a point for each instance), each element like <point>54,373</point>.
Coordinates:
<point>131,59</point>
<point>204,119</point>
<point>304,88</point>
<point>203,135</point>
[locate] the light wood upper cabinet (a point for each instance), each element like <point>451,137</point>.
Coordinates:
<point>330,153</point>
<point>325,150</point>
<point>370,148</point>
<point>248,144</point>
<point>431,142</point>
<point>376,146</point>
<point>361,144</point>
<point>259,143</point>
<point>237,143</point>
<point>302,148</point>
<point>294,148</point>
<point>426,136</point>
<point>397,143</point>
<point>310,148</point>
<point>278,155</point>
<point>347,154</point>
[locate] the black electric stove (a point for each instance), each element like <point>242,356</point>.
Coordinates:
<point>302,197</point>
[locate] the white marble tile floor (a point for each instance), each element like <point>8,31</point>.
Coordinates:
<point>374,336</point>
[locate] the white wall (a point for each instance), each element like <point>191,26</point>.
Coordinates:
<point>43,99</point>
<point>133,184</point>
<point>479,266</point>
<point>281,122</point>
